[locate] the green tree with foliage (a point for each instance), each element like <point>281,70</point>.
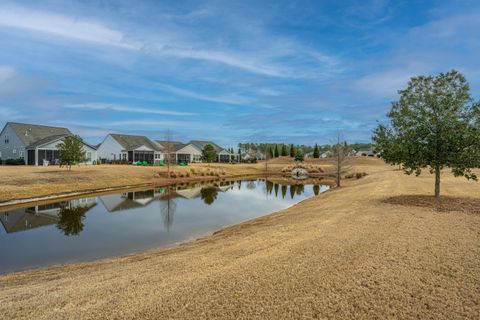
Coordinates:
<point>292,151</point>
<point>434,125</point>
<point>284,150</point>
<point>239,155</point>
<point>71,151</point>
<point>209,154</point>
<point>270,152</point>
<point>277,154</point>
<point>316,151</point>
<point>299,155</point>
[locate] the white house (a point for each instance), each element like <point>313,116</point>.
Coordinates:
<point>192,151</point>
<point>36,144</point>
<point>129,148</point>
<point>365,153</point>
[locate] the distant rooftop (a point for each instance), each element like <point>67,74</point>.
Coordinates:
<point>132,142</point>
<point>32,134</point>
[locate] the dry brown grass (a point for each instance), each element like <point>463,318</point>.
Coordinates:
<point>345,254</point>
<point>445,203</point>
<point>21,182</point>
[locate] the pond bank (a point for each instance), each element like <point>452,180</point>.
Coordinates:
<point>26,184</point>
<point>343,254</point>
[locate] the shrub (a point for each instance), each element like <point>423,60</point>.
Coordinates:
<point>14,162</point>
<point>358,175</point>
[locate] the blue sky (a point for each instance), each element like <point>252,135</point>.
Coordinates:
<point>231,71</point>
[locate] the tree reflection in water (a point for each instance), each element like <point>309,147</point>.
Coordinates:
<point>209,195</point>
<point>168,209</point>
<point>293,188</point>
<point>269,186</point>
<point>276,189</point>
<point>316,189</point>
<point>300,189</point>
<point>71,220</point>
<point>284,191</point>
<point>251,185</point>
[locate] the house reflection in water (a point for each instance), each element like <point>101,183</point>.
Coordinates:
<point>42,215</point>
<point>130,200</point>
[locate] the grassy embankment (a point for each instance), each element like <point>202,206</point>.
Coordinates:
<point>351,253</point>
<point>23,182</point>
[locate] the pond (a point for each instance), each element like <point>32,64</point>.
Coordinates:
<point>94,227</point>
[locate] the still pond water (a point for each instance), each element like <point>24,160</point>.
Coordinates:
<point>102,226</point>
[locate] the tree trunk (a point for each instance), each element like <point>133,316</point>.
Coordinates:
<point>437,182</point>
<point>338,170</point>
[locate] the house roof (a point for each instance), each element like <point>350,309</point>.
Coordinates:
<point>130,142</point>
<point>20,220</point>
<point>176,145</point>
<point>200,144</point>
<point>46,140</point>
<point>32,134</point>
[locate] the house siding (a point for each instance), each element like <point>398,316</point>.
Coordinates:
<point>110,149</point>
<point>191,150</point>
<point>15,143</point>
<point>54,146</point>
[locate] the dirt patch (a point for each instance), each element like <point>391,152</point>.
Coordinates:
<point>444,204</point>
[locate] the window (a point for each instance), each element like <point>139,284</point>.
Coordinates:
<point>14,151</point>
<point>157,156</point>
<point>89,156</point>
<point>21,155</point>
<point>124,156</point>
<point>7,139</point>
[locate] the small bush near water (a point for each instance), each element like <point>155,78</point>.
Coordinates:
<point>357,175</point>
<point>14,162</point>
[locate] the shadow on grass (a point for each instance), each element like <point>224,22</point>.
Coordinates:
<point>445,204</point>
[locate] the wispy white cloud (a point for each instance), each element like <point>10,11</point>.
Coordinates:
<point>228,99</point>
<point>129,109</point>
<point>8,113</point>
<point>6,73</point>
<point>63,26</point>
<point>383,84</point>
<point>171,43</point>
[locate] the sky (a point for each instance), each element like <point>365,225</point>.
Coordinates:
<point>228,71</point>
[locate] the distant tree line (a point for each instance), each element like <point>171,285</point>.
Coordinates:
<point>275,150</point>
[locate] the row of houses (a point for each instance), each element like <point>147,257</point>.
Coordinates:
<point>38,145</point>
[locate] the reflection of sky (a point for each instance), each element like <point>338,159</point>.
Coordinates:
<point>120,232</point>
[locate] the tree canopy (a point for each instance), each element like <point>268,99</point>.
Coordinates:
<point>299,155</point>
<point>316,151</point>
<point>292,151</point>
<point>209,154</point>
<point>435,124</point>
<point>71,151</point>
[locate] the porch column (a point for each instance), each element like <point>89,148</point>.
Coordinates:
<point>36,156</point>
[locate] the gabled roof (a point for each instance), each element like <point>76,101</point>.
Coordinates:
<point>131,142</point>
<point>46,140</point>
<point>200,144</point>
<point>175,145</point>
<point>31,134</point>
<point>20,220</point>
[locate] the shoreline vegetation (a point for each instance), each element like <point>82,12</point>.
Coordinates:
<point>25,184</point>
<point>383,258</point>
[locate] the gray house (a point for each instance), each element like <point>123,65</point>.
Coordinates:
<point>192,151</point>
<point>36,144</point>
<point>129,148</point>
